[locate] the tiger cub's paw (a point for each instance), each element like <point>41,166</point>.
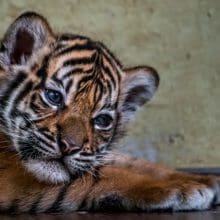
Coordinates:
<point>198,198</point>
<point>197,195</point>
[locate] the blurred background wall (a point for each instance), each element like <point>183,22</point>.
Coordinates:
<point>181,39</point>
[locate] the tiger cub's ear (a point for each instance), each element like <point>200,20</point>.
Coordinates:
<point>28,34</point>
<point>138,87</point>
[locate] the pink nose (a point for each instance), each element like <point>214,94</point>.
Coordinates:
<point>69,148</point>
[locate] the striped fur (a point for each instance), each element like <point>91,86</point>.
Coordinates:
<point>64,100</point>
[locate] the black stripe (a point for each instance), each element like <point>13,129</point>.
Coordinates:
<point>56,206</point>
<point>107,51</point>
<point>34,206</point>
<point>29,150</point>
<point>13,207</point>
<point>7,93</point>
<point>84,205</point>
<point>83,89</point>
<point>45,142</point>
<point>59,46</point>
<point>67,37</point>
<point>84,80</point>
<point>105,139</point>
<point>109,106</point>
<point>100,90</point>
<point>113,66</point>
<point>48,136</point>
<point>33,97</point>
<point>84,60</point>
<point>76,70</point>
<point>96,176</point>
<point>68,74</point>
<point>110,203</point>
<point>26,150</point>
<point>25,91</point>
<point>42,72</point>
<point>76,47</point>
<point>58,81</point>
<point>69,85</point>
<point>35,108</point>
<point>83,160</point>
<point>94,96</point>
<point>44,129</point>
<point>110,75</point>
<point>13,85</point>
<point>26,116</point>
<point>109,88</point>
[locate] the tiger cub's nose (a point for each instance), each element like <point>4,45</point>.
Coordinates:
<point>69,148</point>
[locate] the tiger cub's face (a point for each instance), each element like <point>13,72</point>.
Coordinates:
<point>64,99</point>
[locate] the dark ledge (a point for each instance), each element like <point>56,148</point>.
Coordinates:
<point>202,170</point>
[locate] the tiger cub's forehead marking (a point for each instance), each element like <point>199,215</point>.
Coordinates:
<point>83,68</point>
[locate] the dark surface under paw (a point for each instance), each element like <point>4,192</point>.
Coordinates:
<point>213,214</point>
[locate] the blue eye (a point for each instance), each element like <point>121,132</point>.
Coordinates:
<point>103,121</point>
<point>54,97</point>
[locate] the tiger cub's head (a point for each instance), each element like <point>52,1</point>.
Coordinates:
<point>64,98</point>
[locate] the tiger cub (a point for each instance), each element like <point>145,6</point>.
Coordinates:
<point>64,101</point>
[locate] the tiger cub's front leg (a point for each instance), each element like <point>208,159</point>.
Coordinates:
<point>112,189</point>
<point>120,189</point>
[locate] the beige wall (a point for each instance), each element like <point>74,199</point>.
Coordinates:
<point>181,126</point>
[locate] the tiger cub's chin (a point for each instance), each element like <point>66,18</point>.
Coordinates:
<point>52,172</point>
